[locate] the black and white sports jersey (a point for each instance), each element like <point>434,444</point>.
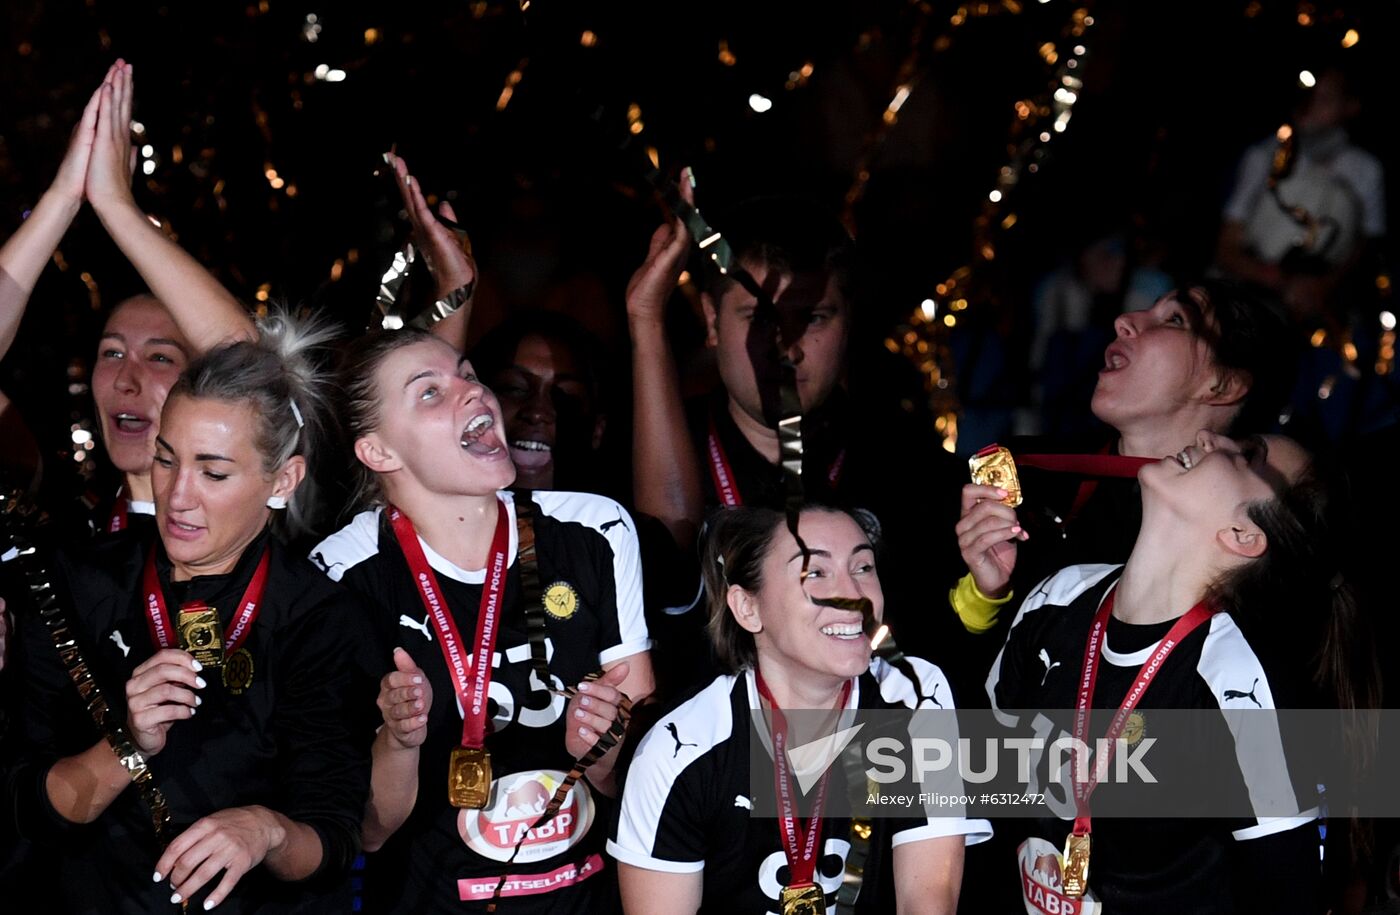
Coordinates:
<point>295,739</point>
<point>1187,864</point>
<point>686,803</point>
<point>589,572</point>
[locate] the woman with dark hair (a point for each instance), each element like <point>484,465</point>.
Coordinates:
<point>551,586</point>
<point>686,839</point>
<point>238,662</point>
<point>1232,546</point>
<point>1205,356</point>
<point>544,369</point>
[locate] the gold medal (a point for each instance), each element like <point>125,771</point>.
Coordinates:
<point>1074,873</point>
<point>803,899</point>
<point>238,671</point>
<point>202,635</point>
<point>993,466</point>
<point>469,777</point>
<point>1134,728</point>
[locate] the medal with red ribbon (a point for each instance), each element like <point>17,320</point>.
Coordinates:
<point>1075,871</point>
<point>469,769</point>
<point>802,895</point>
<point>1093,466</point>
<point>197,630</point>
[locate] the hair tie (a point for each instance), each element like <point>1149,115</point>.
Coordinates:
<point>297,414</point>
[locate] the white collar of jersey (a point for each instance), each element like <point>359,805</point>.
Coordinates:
<point>751,684</point>
<point>765,736</point>
<point>140,508</point>
<point>444,566</point>
<point>1117,658</point>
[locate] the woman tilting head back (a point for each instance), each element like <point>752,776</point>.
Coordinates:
<point>547,586</point>
<point>1231,605</point>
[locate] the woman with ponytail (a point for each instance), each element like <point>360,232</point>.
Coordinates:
<point>476,791</point>
<point>238,660</point>
<point>1231,603</point>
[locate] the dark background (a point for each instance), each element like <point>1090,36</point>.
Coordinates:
<point>559,217</point>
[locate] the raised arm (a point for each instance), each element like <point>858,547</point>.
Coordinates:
<point>206,313</point>
<point>449,262</point>
<point>665,469</point>
<point>26,252</point>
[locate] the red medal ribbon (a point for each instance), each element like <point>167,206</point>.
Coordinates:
<point>163,627</point>
<point>1087,465</point>
<point>722,474</point>
<point>472,683</point>
<point>117,520</point>
<point>1103,465</point>
<point>802,860</point>
<point>1089,675</point>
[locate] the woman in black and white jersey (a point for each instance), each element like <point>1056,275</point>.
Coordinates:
<point>260,748</point>
<point>686,840</point>
<point>1228,594</point>
<point>440,553</point>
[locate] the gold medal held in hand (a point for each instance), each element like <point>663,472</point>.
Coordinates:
<point>202,635</point>
<point>804,899</point>
<point>1074,874</point>
<point>469,778</point>
<point>993,466</point>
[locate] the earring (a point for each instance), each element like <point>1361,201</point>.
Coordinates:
<point>276,502</point>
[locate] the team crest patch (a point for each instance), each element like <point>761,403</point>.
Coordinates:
<point>560,600</point>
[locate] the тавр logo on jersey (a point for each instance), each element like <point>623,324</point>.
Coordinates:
<point>1041,886</point>
<point>516,802</point>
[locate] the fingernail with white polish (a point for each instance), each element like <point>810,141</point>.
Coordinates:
<point>175,897</point>
<point>155,878</point>
<point>199,682</point>
<point>196,665</point>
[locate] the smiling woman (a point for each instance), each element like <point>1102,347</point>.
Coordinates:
<point>787,641</point>
<point>239,660</point>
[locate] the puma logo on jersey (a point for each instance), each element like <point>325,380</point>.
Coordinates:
<point>608,525</point>
<point>411,623</point>
<point>321,561</point>
<point>741,801</point>
<point>1241,694</point>
<point>933,697</point>
<point>1045,659</point>
<point>116,637</point>
<point>675,735</point>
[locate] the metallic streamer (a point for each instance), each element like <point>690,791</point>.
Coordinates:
<point>40,582</point>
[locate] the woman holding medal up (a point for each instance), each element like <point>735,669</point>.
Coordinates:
<point>486,606</point>
<point>687,839</point>
<point>1232,589</point>
<point>230,661</point>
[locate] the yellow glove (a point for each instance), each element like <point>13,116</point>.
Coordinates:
<point>977,611</point>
